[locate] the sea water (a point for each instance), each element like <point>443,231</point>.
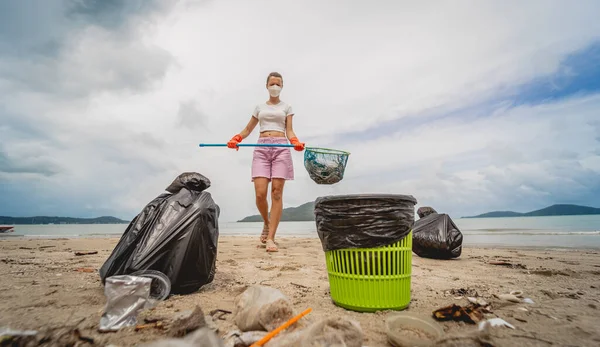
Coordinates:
<point>554,232</point>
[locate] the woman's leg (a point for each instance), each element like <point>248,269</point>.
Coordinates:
<point>261,185</point>
<point>276,208</point>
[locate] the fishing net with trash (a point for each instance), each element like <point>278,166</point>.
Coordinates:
<point>324,165</point>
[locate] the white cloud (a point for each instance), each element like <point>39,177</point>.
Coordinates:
<point>112,107</point>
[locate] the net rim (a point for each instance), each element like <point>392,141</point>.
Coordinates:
<point>323,150</point>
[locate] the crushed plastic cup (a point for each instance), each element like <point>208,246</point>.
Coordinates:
<point>126,297</point>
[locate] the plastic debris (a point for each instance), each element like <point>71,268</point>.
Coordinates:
<point>126,297</point>
<point>517,293</point>
<point>187,321</point>
<point>329,332</point>
<point>237,338</point>
<point>471,314</point>
<point>261,308</point>
<point>528,301</point>
<point>478,301</point>
<point>509,298</point>
<point>9,332</point>
<point>495,322</point>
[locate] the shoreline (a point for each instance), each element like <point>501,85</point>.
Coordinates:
<point>499,246</point>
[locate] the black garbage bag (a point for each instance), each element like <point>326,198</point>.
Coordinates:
<point>425,211</point>
<point>363,221</point>
<point>176,234</point>
<point>436,236</point>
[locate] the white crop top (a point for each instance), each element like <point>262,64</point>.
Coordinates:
<point>272,117</point>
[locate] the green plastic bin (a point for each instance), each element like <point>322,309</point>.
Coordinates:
<point>371,279</point>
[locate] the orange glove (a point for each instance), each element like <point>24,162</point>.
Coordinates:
<point>233,143</point>
<point>299,146</point>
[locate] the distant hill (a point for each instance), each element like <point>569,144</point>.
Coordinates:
<point>554,210</point>
<point>302,213</point>
<point>60,220</point>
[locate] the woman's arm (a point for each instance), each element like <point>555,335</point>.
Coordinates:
<point>249,127</point>
<point>291,135</point>
<point>289,129</point>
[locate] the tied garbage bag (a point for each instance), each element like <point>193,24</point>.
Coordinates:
<point>126,296</point>
<point>176,234</point>
<point>436,236</point>
<point>261,308</point>
<point>363,221</point>
<point>425,211</point>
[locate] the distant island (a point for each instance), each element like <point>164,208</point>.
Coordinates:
<point>305,213</point>
<point>302,213</point>
<point>60,220</point>
<point>554,210</point>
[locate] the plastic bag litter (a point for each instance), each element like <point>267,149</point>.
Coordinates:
<point>436,236</point>
<point>126,297</point>
<point>176,234</point>
<point>237,338</point>
<point>333,331</point>
<point>203,337</point>
<point>363,221</point>
<point>261,308</point>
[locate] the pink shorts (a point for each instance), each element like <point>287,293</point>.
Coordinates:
<point>272,162</point>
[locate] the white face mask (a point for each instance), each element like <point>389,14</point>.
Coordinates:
<point>274,90</point>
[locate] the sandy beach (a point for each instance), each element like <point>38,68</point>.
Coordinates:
<point>43,286</point>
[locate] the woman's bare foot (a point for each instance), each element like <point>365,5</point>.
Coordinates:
<point>271,246</point>
<point>265,234</point>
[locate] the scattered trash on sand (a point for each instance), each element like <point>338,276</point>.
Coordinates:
<point>86,253</point>
<point>237,338</point>
<point>478,301</point>
<point>261,308</point>
<point>281,328</point>
<point>517,293</point>
<point>508,264</point>
<point>509,298</point>
<point>333,331</point>
<point>407,329</point>
<point>472,313</point>
<point>468,292</point>
<point>495,322</point>
<point>126,297</point>
<point>187,321</point>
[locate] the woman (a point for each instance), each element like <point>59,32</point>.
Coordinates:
<point>271,164</point>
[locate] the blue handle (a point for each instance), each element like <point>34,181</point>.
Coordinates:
<point>247,145</point>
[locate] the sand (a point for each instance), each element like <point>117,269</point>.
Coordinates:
<point>40,287</point>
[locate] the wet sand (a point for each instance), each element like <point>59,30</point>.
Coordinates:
<point>41,287</point>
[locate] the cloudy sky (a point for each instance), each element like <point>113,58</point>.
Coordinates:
<point>469,106</point>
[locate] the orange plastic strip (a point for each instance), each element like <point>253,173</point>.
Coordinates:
<point>276,331</point>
